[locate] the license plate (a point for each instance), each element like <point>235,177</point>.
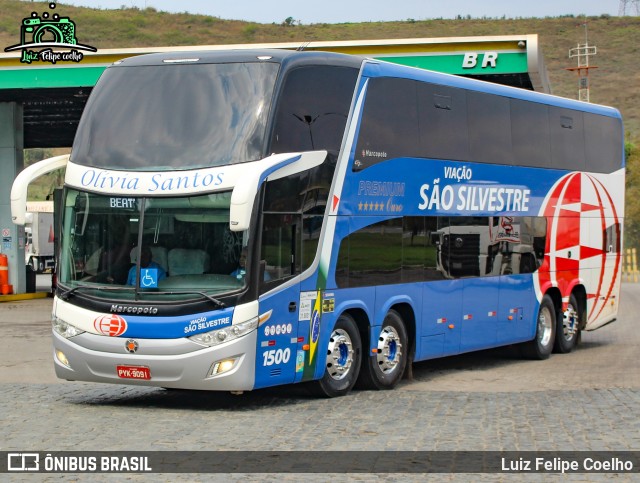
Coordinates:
<point>133,372</point>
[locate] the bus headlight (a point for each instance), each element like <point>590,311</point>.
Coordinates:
<point>62,358</point>
<point>221,367</point>
<point>227,334</point>
<point>65,329</point>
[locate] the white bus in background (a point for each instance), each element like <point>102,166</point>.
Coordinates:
<point>489,246</point>
<point>39,234</point>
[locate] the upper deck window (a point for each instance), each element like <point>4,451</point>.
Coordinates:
<point>408,118</point>
<point>313,109</point>
<point>166,117</point>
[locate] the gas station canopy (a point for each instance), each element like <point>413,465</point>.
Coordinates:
<point>53,96</point>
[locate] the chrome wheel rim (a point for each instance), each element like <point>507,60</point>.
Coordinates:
<point>389,350</point>
<point>569,322</point>
<point>339,354</point>
<point>544,326</point>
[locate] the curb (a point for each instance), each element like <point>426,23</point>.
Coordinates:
<point>24,296</point>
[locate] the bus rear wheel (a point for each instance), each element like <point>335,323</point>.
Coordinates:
<point>568,327</point>
<point>541,346</point>
<point>384,368</point>
<point>344,354</point>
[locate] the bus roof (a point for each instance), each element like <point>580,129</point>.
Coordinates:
<point>371,68</point>
<point>241,55</point>
<point>378,68</point>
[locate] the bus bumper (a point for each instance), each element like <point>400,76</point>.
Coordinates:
<point>171,363</point>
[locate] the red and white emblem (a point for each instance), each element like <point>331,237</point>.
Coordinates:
<point>583,242</point>
<point>112,325</point>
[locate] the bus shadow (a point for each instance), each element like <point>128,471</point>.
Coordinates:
<point>593,344</point>
<point>485,360</point>
<point>478,360</point>
<point>91,394</point>
<point>190,400</point>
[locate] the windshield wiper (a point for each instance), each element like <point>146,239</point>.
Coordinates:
<point>219,304</point>
<point>65,295</point>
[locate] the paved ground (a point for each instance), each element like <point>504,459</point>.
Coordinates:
<point>587,400</point>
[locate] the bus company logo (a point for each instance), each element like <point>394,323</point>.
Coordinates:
<point>47,33</point>
<point>112,325</point>
<point>131,346</point>
<point>575,252</point>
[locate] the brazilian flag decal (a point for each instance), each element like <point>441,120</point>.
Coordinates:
<point>314,335</point>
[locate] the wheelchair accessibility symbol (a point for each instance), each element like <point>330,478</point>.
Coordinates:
<point>149,277</point>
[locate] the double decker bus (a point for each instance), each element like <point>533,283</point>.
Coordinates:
<point>234,220</point>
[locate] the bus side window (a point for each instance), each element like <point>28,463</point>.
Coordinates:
<point>280,248</point>
<point>313,110</point>
<point>293,210</point>
<point>389,126</point>
<point>521,240</point>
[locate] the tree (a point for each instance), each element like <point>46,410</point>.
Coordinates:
<point>289,22</point>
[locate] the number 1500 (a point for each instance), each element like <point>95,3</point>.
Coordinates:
<point>279,356</point>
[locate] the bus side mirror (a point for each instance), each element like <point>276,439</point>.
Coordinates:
<point>26,176</point>
<point>242,199</point>
<point>274,167</point>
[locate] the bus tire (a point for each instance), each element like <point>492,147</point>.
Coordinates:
<point>344,355</point>
<point>542,344</point>
<point>568,327</point>
<point>384,368</point>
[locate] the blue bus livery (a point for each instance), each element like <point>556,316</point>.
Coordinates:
<point>385,215</point>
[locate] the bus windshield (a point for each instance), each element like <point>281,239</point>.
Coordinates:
<point>176,116</point>
<point>126,248</point>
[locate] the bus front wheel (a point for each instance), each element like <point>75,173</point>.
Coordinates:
<point>568,327</point>
<point>344,354</point>
<point>384,368</point>
<point>541,346</point>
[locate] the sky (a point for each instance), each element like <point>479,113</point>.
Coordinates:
<point>338,11</point>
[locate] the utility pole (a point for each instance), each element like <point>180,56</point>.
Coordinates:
<point>582,52</point>
<point>622,10</point>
